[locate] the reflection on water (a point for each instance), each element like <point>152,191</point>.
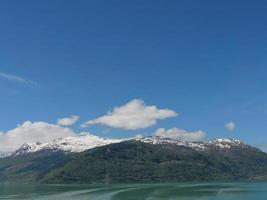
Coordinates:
<point>167,191</point>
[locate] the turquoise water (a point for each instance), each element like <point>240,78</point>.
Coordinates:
<point>170,191</point>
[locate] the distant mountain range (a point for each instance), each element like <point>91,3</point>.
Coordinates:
<point>91,159</point>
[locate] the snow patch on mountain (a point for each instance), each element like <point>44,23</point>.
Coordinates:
<point>226,143</point>
<point>218,143</point>
<point>77,143</point>
<point>163,140</point>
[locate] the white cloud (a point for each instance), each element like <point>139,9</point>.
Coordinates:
<point>180,134</point>
<point>17,79</point>
<point>138,136</point>
<point>67,121</point>
<point>31,132</point>
<point>230,126</point>
<point>133,115</point>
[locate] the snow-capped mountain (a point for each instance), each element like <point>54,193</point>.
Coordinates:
<point>218,143</point>
<point>140,159</point>
<point>226,143</point>
<point>163,140</point>
<point>86,141</point>
<point>76,143</point>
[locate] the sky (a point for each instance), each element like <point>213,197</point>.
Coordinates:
<point>191,69</point>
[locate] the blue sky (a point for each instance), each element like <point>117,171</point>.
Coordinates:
<point>205,60</point>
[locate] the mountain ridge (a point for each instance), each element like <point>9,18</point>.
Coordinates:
<point>83,142</point>
<point>76,143</point>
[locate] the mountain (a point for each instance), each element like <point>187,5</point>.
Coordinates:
<point>82,142</point>
<point>201,146</point>
<point>76,143</point>
<point>143,159</point>
<point>164,160</point>
<point>29,167</point>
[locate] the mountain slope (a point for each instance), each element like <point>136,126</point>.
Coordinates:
<point>29,167</point>
<point>132,161</point>
<point>145,159</point>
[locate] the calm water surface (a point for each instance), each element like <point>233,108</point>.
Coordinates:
<point>207,191</point>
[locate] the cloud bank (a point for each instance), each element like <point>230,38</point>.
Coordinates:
<point>133,115</point>
<point>67,121</point>
<point>180,134</point>
<point>31,132</point>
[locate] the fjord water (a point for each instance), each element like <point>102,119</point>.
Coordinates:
<point>170,191</point>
